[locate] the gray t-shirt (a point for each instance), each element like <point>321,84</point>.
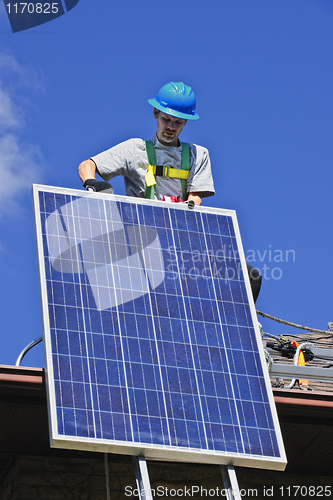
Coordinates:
<point>129,159</point>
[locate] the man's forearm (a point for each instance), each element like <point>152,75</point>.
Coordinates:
<point>87,170</point>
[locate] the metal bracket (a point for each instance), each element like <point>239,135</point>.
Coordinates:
<point>229,479</point>
<point>304,372</point>
<point>142,478</point>
<point>230,482</point>
<point>107,476</point>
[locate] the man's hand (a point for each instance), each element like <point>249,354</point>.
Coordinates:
<point>196,197</point>
<point>98,185</point>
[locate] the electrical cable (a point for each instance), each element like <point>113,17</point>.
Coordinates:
<point>295,325</point>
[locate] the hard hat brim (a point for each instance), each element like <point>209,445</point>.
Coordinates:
<point>172,112</point>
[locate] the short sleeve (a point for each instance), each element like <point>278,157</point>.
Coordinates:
<point>200,177</point>
<point>122,159</point>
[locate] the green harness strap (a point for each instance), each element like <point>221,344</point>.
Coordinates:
<point>151,155</point>
<point>185,165</point>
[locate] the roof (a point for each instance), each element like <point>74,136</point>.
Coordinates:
<point>314,340</point>
<point>306,419</point>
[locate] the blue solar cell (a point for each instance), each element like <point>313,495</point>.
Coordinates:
<point>151,331</point>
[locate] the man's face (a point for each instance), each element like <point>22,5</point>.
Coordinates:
<point>168,128</point>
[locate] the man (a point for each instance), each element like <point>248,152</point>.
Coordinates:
<point>174,104</point>
<point>162,168</point>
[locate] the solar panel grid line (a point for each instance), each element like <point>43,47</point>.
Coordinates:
<point>142,312</point>
<point>169,314</point>
<point>233,393</point>
<point>146,259</point>
<point>64,227</point>
<point>189,336</point>
<point>261,354</point>
<point>228,360</point>
<point>243,356</point>
<point>121,340</point>
<point>86,320</point>
<point>255,416</point>
<point>95,395</point>
<point>45,310</point>
<point>186,352</point>
<point>155,336</point>
<point>99,354</point>
<point>62,394</point>
<point>79,264</point>
<point>209,353</point>
<point>214,290</point>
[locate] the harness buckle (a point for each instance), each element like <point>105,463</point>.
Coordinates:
<point>166,171</point>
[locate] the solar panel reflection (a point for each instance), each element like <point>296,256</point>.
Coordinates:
<point>149,334</point>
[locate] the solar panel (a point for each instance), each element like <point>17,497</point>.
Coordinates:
<point>151,341</point>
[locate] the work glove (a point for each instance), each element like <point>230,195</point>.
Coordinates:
<point>98,185</point>
<point>190,203</point>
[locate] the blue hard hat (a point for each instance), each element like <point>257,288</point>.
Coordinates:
<point>176,99</point>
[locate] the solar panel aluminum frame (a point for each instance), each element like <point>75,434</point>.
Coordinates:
<point>148,450</point>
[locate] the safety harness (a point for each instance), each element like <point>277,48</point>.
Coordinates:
<point>166,171</point>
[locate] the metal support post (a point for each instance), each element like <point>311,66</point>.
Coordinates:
<point>107,476</point>
<point>142,478</point>
<point>230,482</point>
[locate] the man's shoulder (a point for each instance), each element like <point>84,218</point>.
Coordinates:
<point>126,150</point>
<point>134,142</point>
<point>199,149</point>
<point>129,147</point>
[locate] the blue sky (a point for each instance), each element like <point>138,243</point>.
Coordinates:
<point>262,71</point>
